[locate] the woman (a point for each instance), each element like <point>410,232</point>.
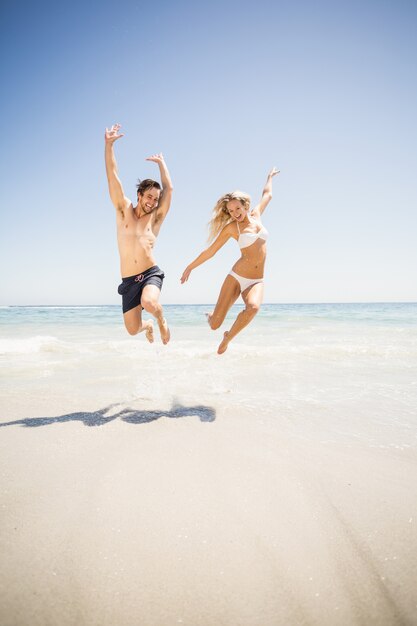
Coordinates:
<point>232,218</point>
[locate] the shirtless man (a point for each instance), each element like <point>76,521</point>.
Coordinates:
<point>137,230</point>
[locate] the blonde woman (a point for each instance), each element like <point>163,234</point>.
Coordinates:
<point>232,218</point>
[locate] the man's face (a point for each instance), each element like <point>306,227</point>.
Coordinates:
<point>149,199</point>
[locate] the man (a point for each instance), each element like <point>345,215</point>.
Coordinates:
<point>137,230</point>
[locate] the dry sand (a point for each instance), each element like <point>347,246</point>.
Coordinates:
<point>177,519</point>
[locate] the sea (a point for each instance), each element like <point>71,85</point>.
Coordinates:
<point>346,371</point>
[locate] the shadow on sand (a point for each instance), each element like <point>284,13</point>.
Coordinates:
<point>132,416</point>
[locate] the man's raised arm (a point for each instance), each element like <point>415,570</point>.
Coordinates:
<point>166,185</point>
<point>115,186</point>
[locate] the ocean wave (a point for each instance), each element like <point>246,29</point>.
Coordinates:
<point>186,349</point>
<point>32,345</point>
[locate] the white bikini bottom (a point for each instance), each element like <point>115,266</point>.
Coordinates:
<point>245,283</point>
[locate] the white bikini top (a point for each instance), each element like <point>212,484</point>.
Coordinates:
<point>247,239</point>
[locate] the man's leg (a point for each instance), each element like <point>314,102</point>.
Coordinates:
<point>150,302</point>
<point>134,324</point>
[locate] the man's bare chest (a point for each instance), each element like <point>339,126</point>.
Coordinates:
<point>136,231</point>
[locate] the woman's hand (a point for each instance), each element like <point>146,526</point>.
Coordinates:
<point>273,172</point>
<point>185,275</point>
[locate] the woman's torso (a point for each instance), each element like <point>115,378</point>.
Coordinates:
<point>252,242</point>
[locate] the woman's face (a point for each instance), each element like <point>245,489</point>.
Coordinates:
<point>236,210</point>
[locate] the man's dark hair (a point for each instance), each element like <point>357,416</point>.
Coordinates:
<point>148,183</point>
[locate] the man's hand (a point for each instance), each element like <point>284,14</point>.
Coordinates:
<point>156,158</point>
<point>165,199</point>
<point>112,135</point>
<point>117,194</point>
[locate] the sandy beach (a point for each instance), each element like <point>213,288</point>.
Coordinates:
<point>178,520</point>
<point>214,508</point>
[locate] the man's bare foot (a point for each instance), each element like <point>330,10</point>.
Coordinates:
<point>149,331</point>
<point>164,330</point>
<point>223,346</point>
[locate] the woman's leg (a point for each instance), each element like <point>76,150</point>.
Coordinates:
<point>252,298</point>
<point>229,293</point>
<point>134,324</point>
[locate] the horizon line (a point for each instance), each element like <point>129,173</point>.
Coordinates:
<point>213,303</point>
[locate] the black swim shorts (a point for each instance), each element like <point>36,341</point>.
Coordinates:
<point>132,286</point>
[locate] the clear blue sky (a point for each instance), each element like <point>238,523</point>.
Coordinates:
<point>326,91</point>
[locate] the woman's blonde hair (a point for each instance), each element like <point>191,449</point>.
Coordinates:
<point>221,216</point>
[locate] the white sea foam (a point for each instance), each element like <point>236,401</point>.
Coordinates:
<point>32,345</point>
<point>249,346</point>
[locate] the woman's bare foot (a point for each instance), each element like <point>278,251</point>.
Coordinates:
<point>149,331</point>
<point>223,346</point>
<point>164,330</point>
